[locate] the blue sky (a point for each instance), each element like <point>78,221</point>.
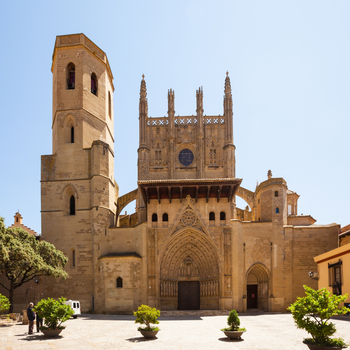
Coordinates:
<point>289,70</point>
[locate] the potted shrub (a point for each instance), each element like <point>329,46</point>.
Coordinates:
<point>54,312</point>
<point>233,331</point>
<point>147,315</point>
<point>312,313</point>
<point>4,307</point>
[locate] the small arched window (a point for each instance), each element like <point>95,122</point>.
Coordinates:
<point>73,258</point>
<point>72,134</point>
<point>94,84</point>
<point>276,193</point>
<point>119,282</point>
<point>277,210</point>
<point>154,217</point>
<point>222,215</point>
<point>109,105</point>
<point>165,217</point>
<point>212,216</point>
<point>71,76</point>
<point>72,205</point>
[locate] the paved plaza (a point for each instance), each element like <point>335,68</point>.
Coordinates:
<point>266,331</point>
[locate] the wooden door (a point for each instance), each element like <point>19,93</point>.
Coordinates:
<point>252,296</point>
<point>188,295</point>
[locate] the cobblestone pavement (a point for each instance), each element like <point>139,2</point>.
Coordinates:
<point>264,332</point>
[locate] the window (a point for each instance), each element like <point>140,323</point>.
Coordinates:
<point>119,282</point>
<point>211,216</point>
<point>277,210</point>
<point>71,76</point>
<point>165,217</point>
<point>72,134</point>
<point>276,193</point>
<point>186,157</point>
<point>335,278</point>
<point>94,84</point>
<point>289,209</point>
<point>72,205</point>
<point>109,105</point>
<point>222,215</point>
<point>73,258</point>
<point>154,217</point>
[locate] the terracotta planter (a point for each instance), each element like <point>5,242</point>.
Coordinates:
<point>318,347</point>
<point>51,333</point>
<point>233,334</point>
<point>149,334</point>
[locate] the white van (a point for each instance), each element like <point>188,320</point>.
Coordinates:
<point>75,305</point>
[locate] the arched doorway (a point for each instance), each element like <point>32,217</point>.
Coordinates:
<point>258,287</point>
<point>189,272</point>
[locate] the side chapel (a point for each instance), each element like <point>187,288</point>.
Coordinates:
<point>187,246</point>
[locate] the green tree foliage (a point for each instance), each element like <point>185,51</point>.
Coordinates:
<point>54,312</point>
<point>313,311</point>
<point>4,304</point>
<point>23,257</point>
<point>147,315</point>
<point>233,320</point>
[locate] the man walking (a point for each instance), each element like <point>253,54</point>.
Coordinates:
<point>31,318</point>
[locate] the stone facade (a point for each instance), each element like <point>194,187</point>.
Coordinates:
<point>187,246</point>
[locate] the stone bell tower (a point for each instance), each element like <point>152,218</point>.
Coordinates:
<point>78,191</point>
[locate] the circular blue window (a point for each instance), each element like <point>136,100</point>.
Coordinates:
<point>186,157</point>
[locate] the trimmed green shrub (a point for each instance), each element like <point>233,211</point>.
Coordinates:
<point>312,313</point>
<point>147,315</point>
<point>54,312</point>
<point>4,304</point>
<point>234,322</point>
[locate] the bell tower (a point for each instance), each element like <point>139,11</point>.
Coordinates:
<point>78,191</point>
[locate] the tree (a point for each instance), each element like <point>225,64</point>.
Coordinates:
<point>313,312</point>
<point>23,257</point>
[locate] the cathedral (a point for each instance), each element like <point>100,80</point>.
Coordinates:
<point>187,246</point>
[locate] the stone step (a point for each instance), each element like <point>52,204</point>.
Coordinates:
<point>195,313</point>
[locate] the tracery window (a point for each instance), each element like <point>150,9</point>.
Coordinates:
<point>186,157</point>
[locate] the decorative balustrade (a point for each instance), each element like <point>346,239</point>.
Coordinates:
<point>185,121</point>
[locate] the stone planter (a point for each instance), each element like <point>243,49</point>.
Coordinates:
<point>318,347</point>
<point>51,333</point>
<point>149,334</point>
<point>233,334</point>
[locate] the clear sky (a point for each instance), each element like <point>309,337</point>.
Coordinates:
<point>289,68</point>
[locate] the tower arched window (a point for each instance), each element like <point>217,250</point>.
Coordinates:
<point>222,215</point>
<point>94,84</point>
<point>154,217</point>
<point>165,217</point>
<point>72,205</point>
<point>72,134</point>
<point>211,216</point>
<point>109,105</point>
<point>71,76</point>
<point>119,282</point>
<point>277,210</point>
<point>73,258</point>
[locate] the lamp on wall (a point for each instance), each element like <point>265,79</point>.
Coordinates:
<point>313,275</point>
